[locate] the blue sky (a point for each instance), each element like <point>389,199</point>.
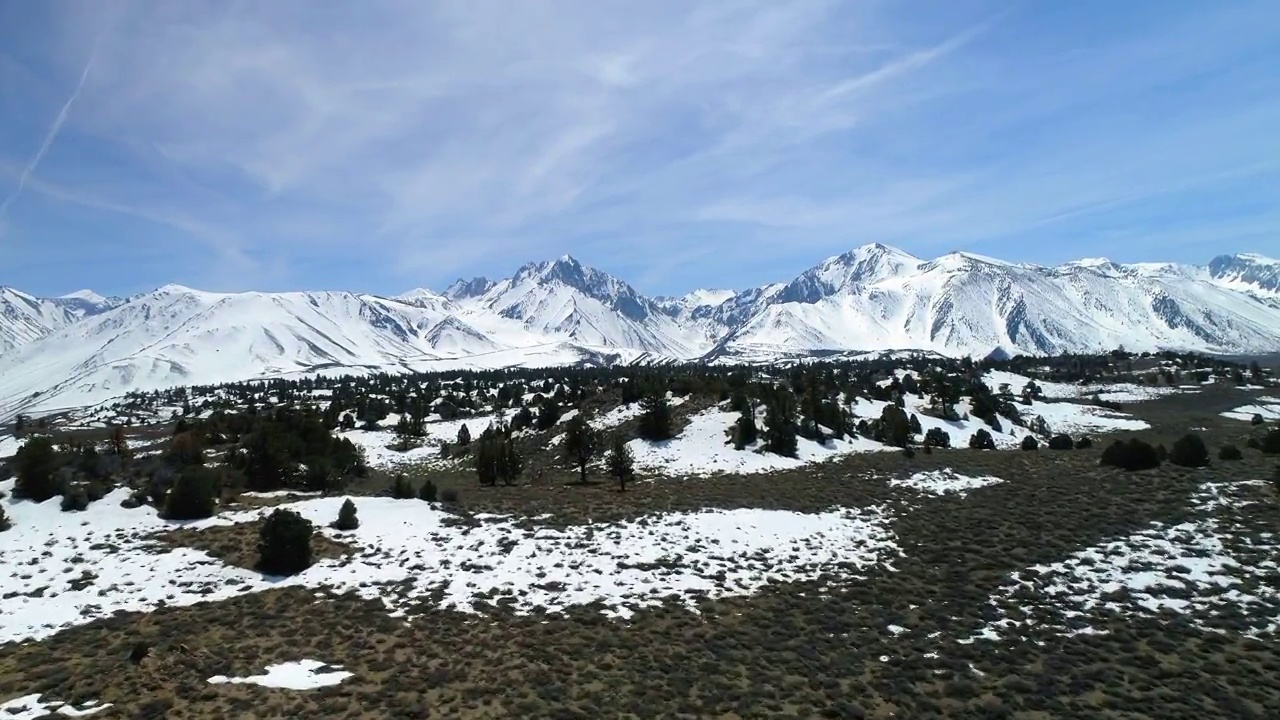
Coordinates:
<point>380,146</point>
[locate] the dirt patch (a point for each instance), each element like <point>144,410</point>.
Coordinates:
<point>238,544</point>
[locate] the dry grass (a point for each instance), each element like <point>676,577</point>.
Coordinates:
<point>806,650</point>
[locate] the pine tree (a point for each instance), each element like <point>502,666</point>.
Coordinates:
<point>655,418</point>
<point>619,462</point>
<point>745,431</point>
<point>284,546</point>
<point>510,462</point>
<point>780,426</point>
<point>464,435</point>
<point>401,489</point>
<point>347,519</point>
<point>185,449</point>
<point>193,495</point>
<point>118,445</point>
<point>35,465</point>
<point>427,493</point>
<point>579,445</point>
<point>548,415</point>
<point>5,522</point>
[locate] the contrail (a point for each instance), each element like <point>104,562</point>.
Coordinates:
<point>51,135</point>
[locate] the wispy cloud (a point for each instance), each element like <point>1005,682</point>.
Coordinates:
<point>25,176</point>
<point>392,143</point>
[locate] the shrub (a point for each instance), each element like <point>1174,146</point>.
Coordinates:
<point>1061,442</point>
<point>1162,453</point>
<point>401,488</point>
<point>1133,455</point>
<point>284,546</point>
<point>937,437</point>
<point>5,522</point>
<point>1253,444</point>
<point>75,498</point>
<point>1084,443</point>
<point>35,465</point>
<point>982,440</point>
<point>347,519</point>
<point>427,492</point>
<point>1230,452</point>
<point>1189,451</point>
<point>1256,419</point>
<point>193,495</point>
<point>1271,443</point>
<point>1030,443</point>
<point>449,495</point>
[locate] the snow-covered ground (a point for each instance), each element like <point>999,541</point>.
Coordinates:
<point>68,569</point>
<point>1267,407</point>
<point>31,707</point>
<point>704,447</point>
<point>945,481</point>
<point>1188,568</point>
<point>1114,392</point>
<point>297,675</point>
<point>377,444</point>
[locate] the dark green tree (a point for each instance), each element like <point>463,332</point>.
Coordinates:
<point>780,425</point>
<point>347,519</point>
<point>619,461</point>
<point>464,435</point>
<point>35,465</point>
<point>655,418</point>
<point>427,493</point>
<point>401,488</point>
<point>579,445</point>
<point>284,546</point>
<point>548,415</point>
<point>193,495</point>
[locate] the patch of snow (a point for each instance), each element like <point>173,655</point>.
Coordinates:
<point>31,707</point>
<point>1268,408</point>
<point>68,569</point>
<point>1188,568</point>
<point>279,493</point>
<point>703,447</point>
<point>942,482</point>
<point>298,675</point>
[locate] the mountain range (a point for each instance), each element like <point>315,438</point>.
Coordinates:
<point>83,348</point>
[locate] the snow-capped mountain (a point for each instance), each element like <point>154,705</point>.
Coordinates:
<point>568,300</point>
<point>1247,271</point>
<point>79,349</point>
<point>25,318</point>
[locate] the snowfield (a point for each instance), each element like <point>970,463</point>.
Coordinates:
<point>1267,407</point>
<point>67,569</point>
<point>1191,568</point>
<point>298,675</point>
<point>31,707</point>
<point>943,482</point>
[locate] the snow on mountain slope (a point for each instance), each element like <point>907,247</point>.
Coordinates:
<point>568,300</point>
<point>961,303</point>
<point>83,349</point>
<point>25,318</point>
<point>177,336</point>
<point>1246,271</point>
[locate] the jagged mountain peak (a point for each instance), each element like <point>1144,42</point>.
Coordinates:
<point>462,289</point>
<point>1247,271</point>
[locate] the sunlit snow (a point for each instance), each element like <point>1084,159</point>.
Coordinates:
<point>298,675</point>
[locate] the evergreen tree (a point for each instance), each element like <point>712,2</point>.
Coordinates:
<point>118,445</point>
<point>347,519</point>
<point>619,461</point>
<point>401,489</point>
<point>780,426</point>
<point>427,493</point>
<point>510,462</point>
<point>5,522</point>
<point>745,431</point>
<point>464,435</point>
<point>655,418</point>
<point>193,495</point>
<point>284,546</point>
<point>579,445</point>
<point>35,465</point>
<point>895,426</point>
<point>185,449</point>
<point>548,415</point>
